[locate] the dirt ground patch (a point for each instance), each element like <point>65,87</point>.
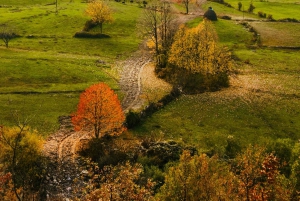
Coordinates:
<point>285,34</point>
<point>154,88</point>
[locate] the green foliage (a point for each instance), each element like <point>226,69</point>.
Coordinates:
<point>251,8</point>
<point>240,5</point>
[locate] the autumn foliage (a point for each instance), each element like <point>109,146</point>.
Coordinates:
<point>99,109</point>
<point>99,12</point>
<point>118,183</point>
<point>197,59</point>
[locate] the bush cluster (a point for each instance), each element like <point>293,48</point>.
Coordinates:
<point>134,118</point>
<point>85,34</point>
<point>222,2</point>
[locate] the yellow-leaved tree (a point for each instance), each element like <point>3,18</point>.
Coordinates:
<point>99,12</point>
<point>21,162</point>
<point>196,54</point>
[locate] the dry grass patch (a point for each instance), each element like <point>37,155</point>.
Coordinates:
<point>153,88</point>
<point>278,33</point>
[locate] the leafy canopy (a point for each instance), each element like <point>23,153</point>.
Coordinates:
<point>99,109</point>
<point>196,50</point>
<point>99,12</point>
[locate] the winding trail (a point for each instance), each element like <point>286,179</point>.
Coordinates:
<point>65,174</point>
<point>65,177</point>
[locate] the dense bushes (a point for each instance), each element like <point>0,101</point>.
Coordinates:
<point>134,118</point>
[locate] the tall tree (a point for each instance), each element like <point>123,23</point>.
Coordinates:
<point>99,12</point>
<point>198,178</point>
<point>195,52</point>
<point>259,177</point>
<point>20,155</point>
<point>99,109</point>
<point>159,24</point>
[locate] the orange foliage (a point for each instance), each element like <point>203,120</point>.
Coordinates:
<point>99,109</point>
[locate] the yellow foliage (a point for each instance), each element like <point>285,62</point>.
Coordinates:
<point>196,50</point>
<point>99,12</point>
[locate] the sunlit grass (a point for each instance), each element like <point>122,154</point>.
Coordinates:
<point>44,70</point>
<point>279,9</point>
<point>278,33</point>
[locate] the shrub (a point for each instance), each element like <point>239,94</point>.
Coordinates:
<point>226,17</point>
<point>132,119</point>
<point>84,34</point>
<point>251,8</point>
<point>270,17</point>
<point>240,5</point>
<point>89,25</point>
<point>262,14</point>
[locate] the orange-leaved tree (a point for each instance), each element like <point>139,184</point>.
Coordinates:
<point>99,12</point>
<point>99,109</point>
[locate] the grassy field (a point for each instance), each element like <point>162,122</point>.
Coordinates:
<point>278,33</point>
<point>279,9</point>
<point>46,68</point>
<point>261,105</point>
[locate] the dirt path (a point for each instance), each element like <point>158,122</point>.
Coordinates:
<point>65,173</point>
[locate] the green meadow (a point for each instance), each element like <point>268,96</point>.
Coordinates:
<point>262,103</point>
<point>46,68</point>
<point>279,9</point>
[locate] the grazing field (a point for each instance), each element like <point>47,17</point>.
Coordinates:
<point>279,9</point>
<point>44,70</point>
<point>278,33</point>
<point>261,105</point>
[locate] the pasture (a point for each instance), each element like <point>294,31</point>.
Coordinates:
<point>45,69</point>
<point>261,104</point>
<point>279,9</point>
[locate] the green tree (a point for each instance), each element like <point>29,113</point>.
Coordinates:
<point>240,5</point>
<point>99,12</point>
